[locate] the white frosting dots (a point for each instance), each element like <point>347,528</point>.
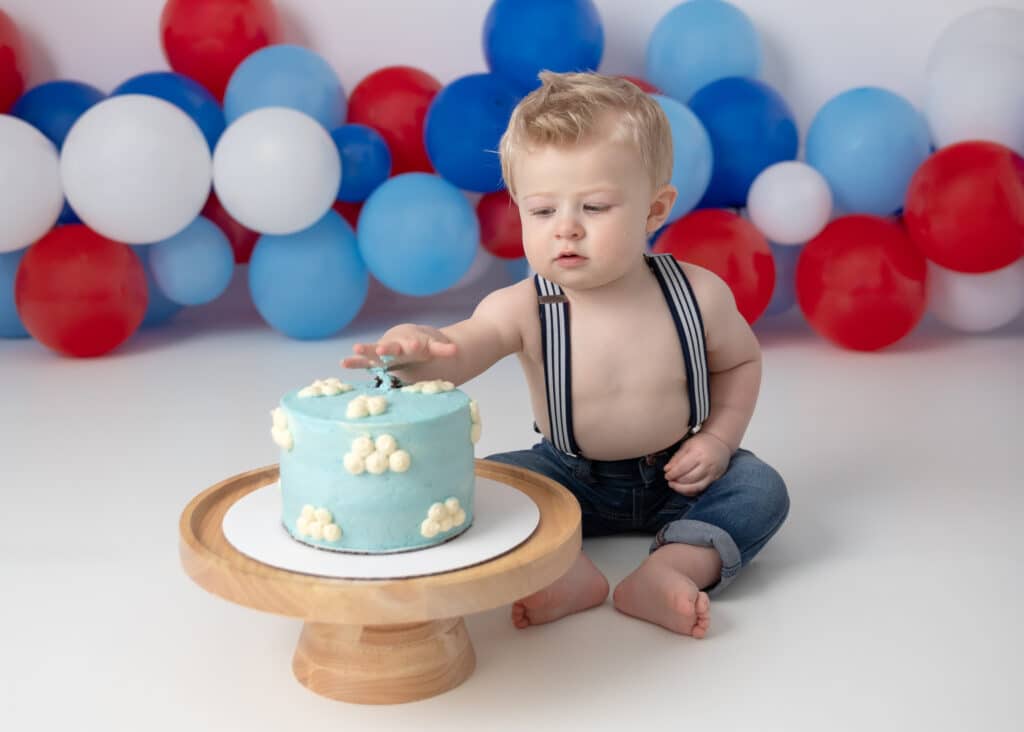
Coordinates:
<point>376,457</point>
<point>364,406</point>
<point>442,517</point>
<point>317,523</point>
<point>474,415</point>
<point>280,431</point>
<point>437,386</point>
<point>324,387</point>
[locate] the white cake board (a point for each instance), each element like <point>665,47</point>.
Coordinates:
<point>503,519</point>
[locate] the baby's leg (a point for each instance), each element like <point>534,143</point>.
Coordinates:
<point>665,589</point>
<point>582,587</point>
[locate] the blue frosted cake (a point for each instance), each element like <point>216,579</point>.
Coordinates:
<point>378,468</point>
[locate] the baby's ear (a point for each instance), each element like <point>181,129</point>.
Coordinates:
<point>661,205</point>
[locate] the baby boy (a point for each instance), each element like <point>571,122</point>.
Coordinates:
<point>604,328</point>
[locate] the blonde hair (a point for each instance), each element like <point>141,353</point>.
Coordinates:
<point>569,108</point>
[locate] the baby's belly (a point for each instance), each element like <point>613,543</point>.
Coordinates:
<point>629,425</point>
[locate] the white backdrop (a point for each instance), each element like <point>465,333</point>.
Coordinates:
<point>813,49</point>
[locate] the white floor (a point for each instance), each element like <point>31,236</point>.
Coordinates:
<point>892,598</point>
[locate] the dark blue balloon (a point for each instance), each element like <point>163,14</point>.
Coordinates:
<point>784,294</point>
<point>365,161</point>
<point>10,322</point>
<point>464,124</point>
<point>188,95</point>
<point>524,37</point>
<point>750,127</point>
<point>159,309</point>
<point>53,107</point>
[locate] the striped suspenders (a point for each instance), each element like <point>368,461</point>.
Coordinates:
<point>554,321</point>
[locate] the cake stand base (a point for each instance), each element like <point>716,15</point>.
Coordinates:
<point>384,664</point>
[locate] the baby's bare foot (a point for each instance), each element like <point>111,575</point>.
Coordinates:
<point>582,587</point>
<point>658,593</point>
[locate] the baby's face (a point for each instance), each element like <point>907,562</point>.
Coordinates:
<point>584,210</point>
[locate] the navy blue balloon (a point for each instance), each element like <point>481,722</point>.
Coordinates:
<point>188,95</point>
<point>52,108</point>
<point>751,128</point>
<point>159,309</point>
<point>418,234</point>
<point>784,294</point>
<point>10,322</point>
<point>310,284</point>
<point>365,161</point>
<point>464,124</point>
<point>524,37</point>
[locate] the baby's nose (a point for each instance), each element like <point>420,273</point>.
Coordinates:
<point>569,228</point>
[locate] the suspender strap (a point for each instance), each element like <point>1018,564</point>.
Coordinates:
<point>683,305</point>
<point>554,322</point>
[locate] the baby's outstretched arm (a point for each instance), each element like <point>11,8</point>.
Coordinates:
<point>456,352</point>
<point>734,366</point>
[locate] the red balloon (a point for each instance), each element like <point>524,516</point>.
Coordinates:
<point>729,246</point>
<point>965,207</point>
<point>349,211</point>
<point>80,293</point>
<point>861,282</point>
<point>501,231</point>
<point>645,85</point>
<point>394,101</point>
<point>13,63</point>
<point>242,240</point>
<point>207,39</point>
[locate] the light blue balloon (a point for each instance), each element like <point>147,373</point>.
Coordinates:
<point>698,42</point>
<point>418,234</point>
<point>10,322</point>
<point>784,294</point>
<point>692,158</point>
<point>867,143</point>
<point>194,266</point>
<point>159,309</point>
<point>309,284</point>
<point>286,76</point>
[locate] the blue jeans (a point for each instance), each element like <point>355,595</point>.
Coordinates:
<point>736,515</point>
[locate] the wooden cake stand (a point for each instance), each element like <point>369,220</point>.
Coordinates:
<point>381,641</point>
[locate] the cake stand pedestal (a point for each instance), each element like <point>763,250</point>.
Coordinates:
<point>381,641</point>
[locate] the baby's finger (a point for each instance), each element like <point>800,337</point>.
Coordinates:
<point>355,362</point>
<point>687,489</point>
<point>678,467</point>
<point>390,348</point>
<point>440,348</point>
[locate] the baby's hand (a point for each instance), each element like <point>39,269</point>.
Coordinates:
<point>406,344</point>
<point>701,461</point>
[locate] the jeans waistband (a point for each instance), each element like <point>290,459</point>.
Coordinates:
<point>650,458</point>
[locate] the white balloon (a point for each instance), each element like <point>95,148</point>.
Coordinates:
<point>30,193</point>
<point>276,170</point>
<point>997,30</point>
<point>976,302</point>
<point>790,202</point>
<point>136,168</point>
<point>976,95</point>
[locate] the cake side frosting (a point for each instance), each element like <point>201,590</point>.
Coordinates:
<point>376,469</point>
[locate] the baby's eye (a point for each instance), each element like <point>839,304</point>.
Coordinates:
<point>596,207</point>
<point>542,211</point>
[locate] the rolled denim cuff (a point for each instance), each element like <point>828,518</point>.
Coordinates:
<point>699,533</point>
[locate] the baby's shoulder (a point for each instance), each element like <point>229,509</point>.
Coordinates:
<point>711,291</point>
<point>512,305</point>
